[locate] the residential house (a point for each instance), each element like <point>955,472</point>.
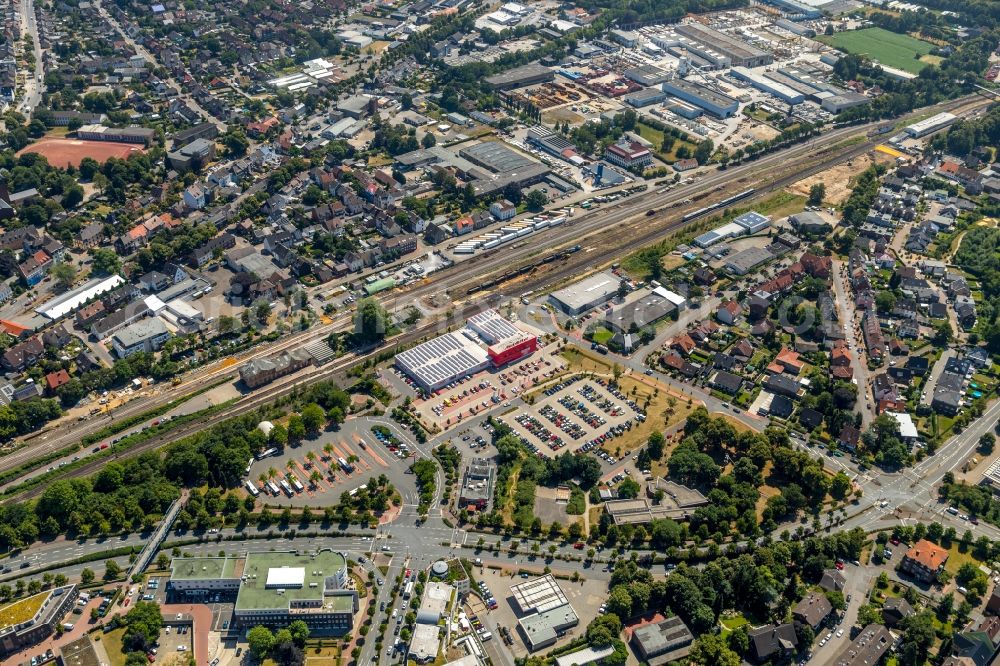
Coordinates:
<point>813,610</point>
<point>895,610</point>
<point>924,561</point>
<point>772,643</point>
<point>728,312</point>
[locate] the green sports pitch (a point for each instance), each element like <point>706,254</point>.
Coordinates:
<point>889,48</point>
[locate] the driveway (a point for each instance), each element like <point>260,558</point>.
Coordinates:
<point>928,388</point>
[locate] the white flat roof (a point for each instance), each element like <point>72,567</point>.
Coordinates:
<point>59,307</point>
<point>907,429</point>
<point>154,303</point>
<point>674,298</point>
<point>286,577</point>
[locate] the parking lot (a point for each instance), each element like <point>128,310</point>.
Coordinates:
<point>335,462</point>
<point>175,641</point>
<point>484,390</point>
<point>577,414</point>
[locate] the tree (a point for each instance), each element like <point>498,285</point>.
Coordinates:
<point>655,445</point>
<point>64,274</point>
<point>711,650</point>
<point>88,167</point>
<point>261,641</point>
<point>816,194</point>
<point>104,261</point>
<point>87,576</point>
<point>236,143</point>
<point>840,486</point>
<point>143,623</point>
<point>428,141</point>
<point>704,151</point>
<point>313,418</point>
<point>986,443</point>
<point>112,570</point>
<point>296,428</point>
<point>371,322</point>
<point>535,200</point>
<point>942,334</point>
<point>628,489</point>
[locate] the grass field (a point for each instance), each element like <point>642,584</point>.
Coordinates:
<point>889,48</point>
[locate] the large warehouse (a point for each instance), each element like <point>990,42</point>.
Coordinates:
<point>586,294</point>
<point>275,588</point>
<point>739,53</point>
<point>489,340</point>
<point>701,96</point>
<point>521,76</point>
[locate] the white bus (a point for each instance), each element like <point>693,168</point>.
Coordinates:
<point>287,488</point>
<point>273,488</point>
<point>249,465</point>
<point>267,453</point>
<point>252,488</point>
<point>296,484</point>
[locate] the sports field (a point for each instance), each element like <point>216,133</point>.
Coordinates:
<point>66,152</point>
<point>889,48</point>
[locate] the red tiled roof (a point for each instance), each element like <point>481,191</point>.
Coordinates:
<point>927,554</point>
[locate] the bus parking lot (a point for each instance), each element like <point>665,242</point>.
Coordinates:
<point>333,463</point>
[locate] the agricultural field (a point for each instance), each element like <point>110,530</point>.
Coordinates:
<point>889,48</point>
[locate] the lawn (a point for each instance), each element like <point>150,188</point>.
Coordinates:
<point>113,646</point>
<point>889,48</point>
<point>577,502</point>
<point>956,558</point>
<point>21,611</point>
<point>602,335</point>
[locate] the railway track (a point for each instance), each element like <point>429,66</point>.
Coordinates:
<point>603,229</point>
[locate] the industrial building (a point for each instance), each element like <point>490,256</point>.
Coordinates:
<point>746,224</point>
<point>746,260</point>
<point>930,125</point>
<point>846,100</point>
<point>488,340</point>
<point>716,103</point>
<point>796,10</point>
<point>739,53</point>
<point>521,76</point>
<point>644,311</point>
<point>768,85</point>
<point>503,165</point>
<point>647,75</point>
<point>554,144</point>
<point>645,97</point>
<point>544,611</point>
<point>586,294</point>
<point>753,222</point>
<point>275,588</point>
